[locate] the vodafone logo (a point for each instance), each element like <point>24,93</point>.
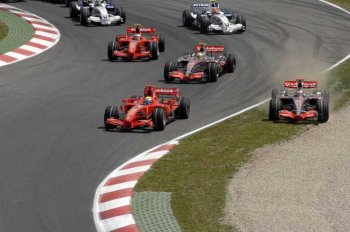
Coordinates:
<point>215,48</point>
<point>211,48</point>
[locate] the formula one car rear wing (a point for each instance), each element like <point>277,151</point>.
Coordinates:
<point>300,83</point>
<point>143,30</point>
<point>151,90</point>
<point>210,48</point>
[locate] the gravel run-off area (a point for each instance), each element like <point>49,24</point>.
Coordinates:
<point>301,185</point>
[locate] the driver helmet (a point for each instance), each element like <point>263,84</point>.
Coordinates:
<point>148,100</point>
<point>215,10</point>
<point>137,36</point>
<point>214,4</point>
<point>200,55</point>
<point>97,3</point>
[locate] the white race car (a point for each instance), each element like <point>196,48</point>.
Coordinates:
<point>100,13</point>
<point>208,17</point>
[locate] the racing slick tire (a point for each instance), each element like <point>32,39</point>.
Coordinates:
<point>241,19</point>
<point>110,112</point>
<point>203,24</point>
<point>158,119</point>
<point>323,107</point>
<point>84,15</point>
<point>112,46</point>
<point>122,14</point>
<point>274,93</point>
<point>169,67</point>
<point>153,48</point>
<point>183,111</point>
<point>161,43</point>
<point>187,19</point>
<point>275,106</point>
<point>230,63</point>
<point>212,72</point>
<point>73,11</point>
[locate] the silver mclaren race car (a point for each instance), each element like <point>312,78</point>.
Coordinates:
<point>208,17</point>
<point>101,12</point>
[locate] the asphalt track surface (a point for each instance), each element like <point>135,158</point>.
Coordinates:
<point>54,150</point>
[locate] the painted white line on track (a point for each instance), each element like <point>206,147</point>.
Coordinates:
<point>336,6</point>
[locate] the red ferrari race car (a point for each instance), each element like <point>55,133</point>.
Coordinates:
<point>301,104</point>
<point>155,109</point>
<point>138,43</point>
<point>206,64</point>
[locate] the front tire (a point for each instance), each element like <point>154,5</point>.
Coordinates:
<point>275,106</point>
<point>241,19</point>
<point>84,15</point>
<point>169,67</point>
<point>230,63</point>
<point>110,112</point>
<point>122,14</point>
<point>183,111</point>
<point>112,46</point>
<point>212,72</point>
<point>187,19</point>
<point>161,43</point>
<point>203,24</point>
<point>158,119</point>
<point>73,11</point>
<point>323,107</point>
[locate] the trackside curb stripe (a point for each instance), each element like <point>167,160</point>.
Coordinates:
<point>45,37</point>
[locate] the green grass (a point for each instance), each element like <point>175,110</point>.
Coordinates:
<point>339,83</point>
<point>3,30</point>
<point>343,3</point>
<point>198,170</point>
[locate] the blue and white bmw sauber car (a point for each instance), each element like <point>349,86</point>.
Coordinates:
<point>97,11</point>
<point>208,17</point>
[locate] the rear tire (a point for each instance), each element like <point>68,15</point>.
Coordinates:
<point>112,46</point>
<point>187,19</point>
<point>110,112</point>
<point>212,72</point>
<point>84,15</point>
<point>161,43</point>
<point>230,63</point>
<point>203,24</point>
<point>159,119</point>
<point>153,47</point>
